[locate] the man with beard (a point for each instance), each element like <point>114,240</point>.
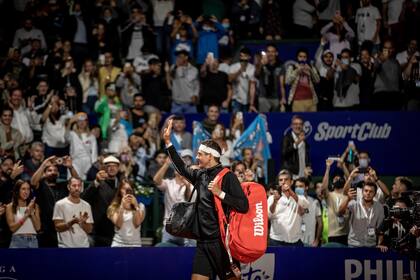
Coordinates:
<point>48,191</point>
<point>73,217</point>
<point>99,195</point>
<point>10,137</point>
<point>365,216</point>
<point>9,172</point>
<point>211,257</point>
<point>32,164</point>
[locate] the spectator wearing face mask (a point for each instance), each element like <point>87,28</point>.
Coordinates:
<point>346,82</point>
<point>324,59</point>
<point>337,222</point>
<point>311,220</point>
<point>365,216</point>
<point>242,77</point>
<point>302,78</point>
<point>364,174</point>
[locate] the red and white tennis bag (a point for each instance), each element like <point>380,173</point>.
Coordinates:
<point>245,237</point>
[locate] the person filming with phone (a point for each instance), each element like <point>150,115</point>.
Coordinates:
<point>48,191</point>
<point>364,174</point>
<point>99,195</point>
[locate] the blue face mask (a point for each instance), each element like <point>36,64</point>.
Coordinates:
<point>77,13</point>
<point>300,191</point>
<point>206,28</point>
<point>345,61</point>
<point>226,25</point>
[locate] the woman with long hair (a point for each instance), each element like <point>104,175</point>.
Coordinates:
<point>23,218</point>
<point>90,86</point>
<point>219,136</point>
<point>83,146</point>
<point>54,128</point>
<point>338,34</point>
<point>127,215</point>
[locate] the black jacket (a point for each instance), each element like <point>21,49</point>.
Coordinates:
<point>100,198</point>
<point>290,155</point>
<point>206,209</point>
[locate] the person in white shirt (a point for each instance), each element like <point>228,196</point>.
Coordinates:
<point>312,219</point>
<point>24,36</point>
<point>368,21</point>
<point>23,218</point>
<point>405,56</point>
<point>83,145</point>
<point>72,217</point>
<point>285,212</point>
<point>176,190</point>
<point>242,77</point>
<point>303,18</point>
<point>22,117</point>
<point>127,215</point>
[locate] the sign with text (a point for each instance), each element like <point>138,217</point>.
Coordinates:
<point>176,263</point>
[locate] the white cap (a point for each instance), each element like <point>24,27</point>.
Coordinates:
<point>111,159</point>
<point>186,153</point>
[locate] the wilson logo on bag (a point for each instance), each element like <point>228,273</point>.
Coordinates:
<point>245,237</point>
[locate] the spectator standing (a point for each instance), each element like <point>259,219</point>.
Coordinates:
<point>387,95</point>
<point>338,227</point>
<point>48,191</point>
<point>365,217</point>
<point>368,21</point>
<point>31,164</point>
<point>324,59</point>
<point>338,34</point>
<point>181,139</point>
<point>183,80</point>
<point>346,82</point>
<point>303,18</point>
<point>23,217</point>
<point>175,190</point>
<point>209,32</point>
<point>312,219</point>
<point>127,215</point>
<point>73,217</point>
<point>302,78</point>
<point>107,73</point>
<point>128,84</point>
<point>10,137</point>
<point>270,74</point>
<point>215,86</point>
<point>295,153</point>
<point>285,210</point>
<point>99,195</point>
<point>83,146</point>
<point>242,77</point>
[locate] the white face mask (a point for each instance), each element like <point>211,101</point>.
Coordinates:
<point>363,163</point>
<point>206,28</point>
<point>345,61</point>
<point>300,191</point>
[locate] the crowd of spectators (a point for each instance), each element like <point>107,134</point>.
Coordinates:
<point>85,85</point>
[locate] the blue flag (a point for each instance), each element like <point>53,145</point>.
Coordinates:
<point>175,142</point>
<point>199,135</point>
<point>255,137</point>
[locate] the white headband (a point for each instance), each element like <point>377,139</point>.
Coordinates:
<point>208,150</point>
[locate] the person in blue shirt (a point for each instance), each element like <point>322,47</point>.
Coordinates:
<point>209,33</point>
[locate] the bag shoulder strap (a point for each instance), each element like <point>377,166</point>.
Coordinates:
<point>218,203</point>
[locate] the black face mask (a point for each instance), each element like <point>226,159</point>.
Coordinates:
<point>339,184</point>
<point>243,60</point>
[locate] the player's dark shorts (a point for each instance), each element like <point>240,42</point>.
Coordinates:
<point>211,259</point>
